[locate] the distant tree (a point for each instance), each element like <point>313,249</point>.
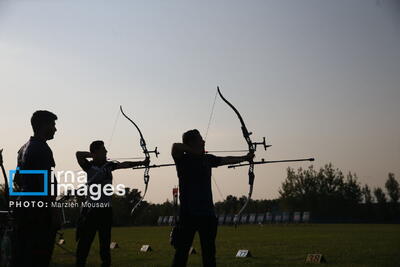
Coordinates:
<point>380,195</point>
<point>352,191</point>
<point>366,191</point>
<point>393,188</point>
<point>326,192</point>
<point>229,205</point>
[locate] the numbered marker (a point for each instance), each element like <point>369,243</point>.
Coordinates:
<point>145,248</point>
<point>315,258</point>
<point>243,253</point>
<point>114,245</point>
<point>192,251</point>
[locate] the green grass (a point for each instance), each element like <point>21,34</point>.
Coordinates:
<point>270,245</point>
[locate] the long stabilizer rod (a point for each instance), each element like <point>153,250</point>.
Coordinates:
<point>155,166</point>
<point>270,161</point>
<point>234,166</point>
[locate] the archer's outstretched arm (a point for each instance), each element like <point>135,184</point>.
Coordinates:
<point>131,164</point>
<point>235,160</point>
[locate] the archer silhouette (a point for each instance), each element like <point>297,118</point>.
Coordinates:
<point>98,216</point>
<point>193,167</point>
<point>36,227</point>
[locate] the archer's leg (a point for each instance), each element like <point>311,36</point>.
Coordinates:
<point>47,240</point>
<point>185,235</point>
<point>85,241</point>
<point>208,233</point>
<point>105,237</point>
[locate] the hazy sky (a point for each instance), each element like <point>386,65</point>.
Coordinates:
<point>316,78</point>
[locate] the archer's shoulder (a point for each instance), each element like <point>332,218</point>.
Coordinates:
<point>210,156</point>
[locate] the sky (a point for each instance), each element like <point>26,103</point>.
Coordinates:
<point>316,78</point>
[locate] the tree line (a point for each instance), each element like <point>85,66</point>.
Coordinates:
<point>332,196</point>
<point>327,193</point>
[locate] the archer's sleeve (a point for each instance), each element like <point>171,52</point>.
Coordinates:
<point>112,166</point>
<point>86,165</point>
<point>178,161</point>
<point>214,160</point>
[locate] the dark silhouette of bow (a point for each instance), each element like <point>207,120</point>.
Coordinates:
<point>146,152</point>
<point>252,146</point>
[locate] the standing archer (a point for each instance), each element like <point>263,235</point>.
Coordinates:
<point>36,227</point>
<point>99,216</point>
<point>193,166</point>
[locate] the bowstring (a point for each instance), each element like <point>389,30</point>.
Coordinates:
<point>205,138</point>
<point>113,129</point>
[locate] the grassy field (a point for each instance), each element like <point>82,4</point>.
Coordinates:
<point>270,245</point>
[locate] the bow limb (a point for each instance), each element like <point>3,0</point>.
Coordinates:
<point>146,176</point>
<point>251,148</point>
<point>142,141</point>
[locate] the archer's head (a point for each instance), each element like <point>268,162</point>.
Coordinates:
<point>194,139</point>
<point>98,151</point>
<point>44,124</point>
